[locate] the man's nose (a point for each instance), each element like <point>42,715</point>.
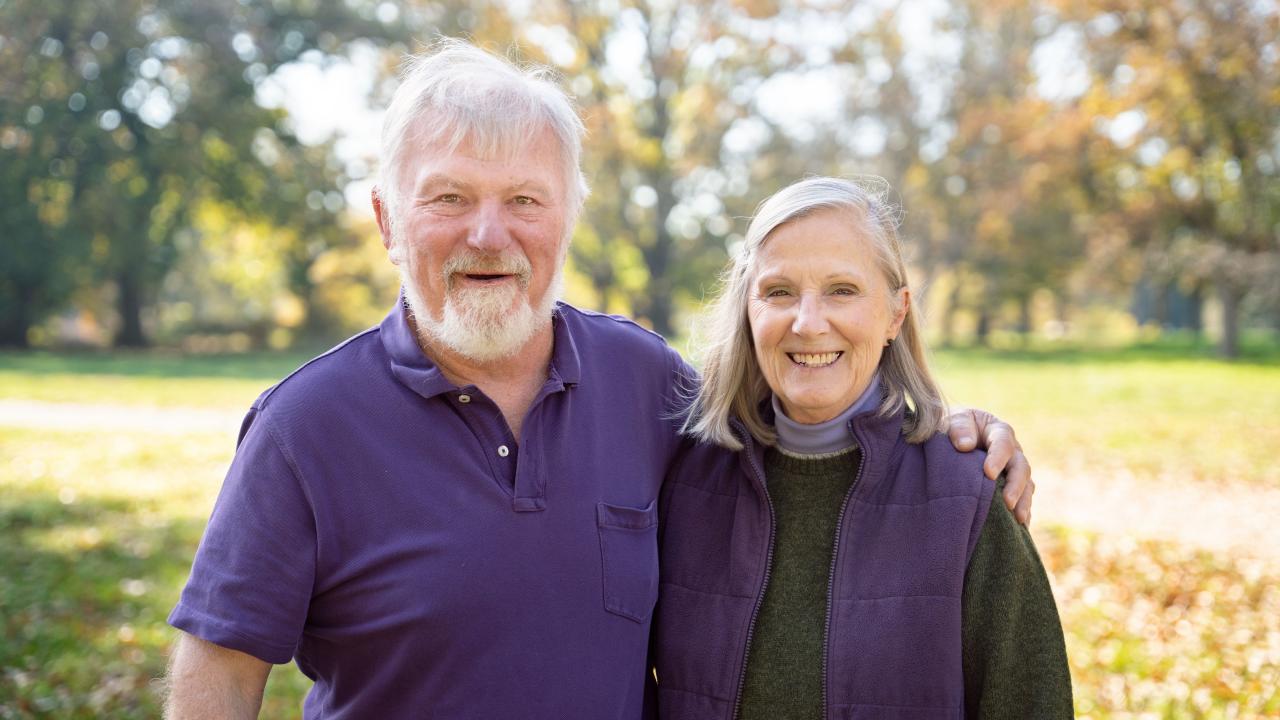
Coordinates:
<point>489,233</point>
<point>810,317</point>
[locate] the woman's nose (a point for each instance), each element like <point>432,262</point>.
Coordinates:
<point>810,317</point>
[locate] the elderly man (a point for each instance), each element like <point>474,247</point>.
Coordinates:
<point>452,514</point>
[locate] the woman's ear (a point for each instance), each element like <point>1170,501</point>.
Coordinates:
<point>901,304</point>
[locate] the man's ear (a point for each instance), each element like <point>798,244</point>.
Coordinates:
<point>383,215</point>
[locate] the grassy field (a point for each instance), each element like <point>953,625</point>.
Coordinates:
<point>1176,418</point>
<point>98,525</point>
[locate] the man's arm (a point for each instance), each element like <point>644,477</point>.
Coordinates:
<point>971,429</point>
<point>209,681</point>
<point>1013,652</point>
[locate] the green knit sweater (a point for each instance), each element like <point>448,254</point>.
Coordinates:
<point>1014,657</point>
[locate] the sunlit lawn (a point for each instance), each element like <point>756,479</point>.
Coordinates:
<point>1196,419</point>
<point>97,528</point>
<point>97,531</point>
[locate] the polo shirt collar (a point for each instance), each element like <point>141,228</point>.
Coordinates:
<point>416,371</point>
<point>565,361</point>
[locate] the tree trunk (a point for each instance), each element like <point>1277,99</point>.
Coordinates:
<point>1024,317</point>
<point>660,308</point>
<point>604,290</point>
<point>1160,304</point>
<point>949,316</point>
<point>1196,314</point>
<point>1229,346</point>
<point>15,325</point>
<point>1142,302</point>
<point>658,260</point>
<point>984,326</point>
<point>129,304</point>
<point>661,178</point>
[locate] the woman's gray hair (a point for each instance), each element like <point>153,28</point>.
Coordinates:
<point>733,385</point>
<point>455,93</point>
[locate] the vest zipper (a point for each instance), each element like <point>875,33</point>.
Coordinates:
<point>831,575</point>
<point>768,569</point>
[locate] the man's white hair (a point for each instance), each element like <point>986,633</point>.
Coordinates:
<point>455,93</point>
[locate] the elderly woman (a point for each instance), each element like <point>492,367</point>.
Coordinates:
<point>826,552</point>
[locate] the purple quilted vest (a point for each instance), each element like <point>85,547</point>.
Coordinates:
<point>905,536</point>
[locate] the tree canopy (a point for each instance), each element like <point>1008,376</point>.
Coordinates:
<point>1075,152</point>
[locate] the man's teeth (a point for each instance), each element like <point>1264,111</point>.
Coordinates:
<point>812,359</point>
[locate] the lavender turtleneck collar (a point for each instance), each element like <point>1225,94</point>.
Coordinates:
<point>830,436</point>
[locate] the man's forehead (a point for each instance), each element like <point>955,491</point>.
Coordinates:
<point>533,159</point>
<point>483,141</point>
<point>462,178</point>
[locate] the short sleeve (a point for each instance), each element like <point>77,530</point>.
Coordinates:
<point>252,579</point>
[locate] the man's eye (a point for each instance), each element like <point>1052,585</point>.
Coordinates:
<point>449,198</point>
<point>524,200</point>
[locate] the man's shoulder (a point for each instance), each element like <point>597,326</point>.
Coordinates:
<point>605,327</point>
<point>615,337</point>
<point>619,345</point>
<point>344,367</point>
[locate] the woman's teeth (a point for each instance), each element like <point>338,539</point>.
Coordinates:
<point>814,359</point>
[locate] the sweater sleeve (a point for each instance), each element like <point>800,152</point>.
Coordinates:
<point>1014,655</point>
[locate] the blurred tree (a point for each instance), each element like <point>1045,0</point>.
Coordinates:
<point>40,247</point>
<point>120,115</point>
<point>1197,87</point>
<point>662,86</point>
<point>1007,188</point>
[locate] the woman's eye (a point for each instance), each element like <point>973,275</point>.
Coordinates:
<point>845,291</point>
<point>524,200</point>
<point>777,292</point>
<point>450,198</point>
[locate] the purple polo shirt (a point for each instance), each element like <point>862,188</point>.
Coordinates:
<point>380,526</point>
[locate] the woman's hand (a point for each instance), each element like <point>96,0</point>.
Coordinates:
<point>970,429</point>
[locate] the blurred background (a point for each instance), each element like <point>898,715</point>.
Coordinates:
<point>1091,195</point>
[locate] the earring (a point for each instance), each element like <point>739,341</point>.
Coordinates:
<point>888,342</point>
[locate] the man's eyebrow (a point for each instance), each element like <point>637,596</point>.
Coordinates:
<point>531,186</point>
<point>438,180</point>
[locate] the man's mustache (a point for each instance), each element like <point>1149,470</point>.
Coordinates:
<point>477,264</point>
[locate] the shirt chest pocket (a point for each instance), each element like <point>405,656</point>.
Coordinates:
<point>629,555</point>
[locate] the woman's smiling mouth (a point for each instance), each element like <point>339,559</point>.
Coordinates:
<point>815,360</point>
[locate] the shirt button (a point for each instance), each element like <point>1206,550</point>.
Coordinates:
<point>503,451</point>
<point>464,399</point>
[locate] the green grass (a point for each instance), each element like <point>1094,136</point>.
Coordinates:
<point>1199,418</point>
<point>143,379</point>
<point>97,532</point>
<point>98,527</point>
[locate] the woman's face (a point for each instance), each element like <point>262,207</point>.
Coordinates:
<point>820,313</point>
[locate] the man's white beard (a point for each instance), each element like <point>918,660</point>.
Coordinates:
<point>481,324</point>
